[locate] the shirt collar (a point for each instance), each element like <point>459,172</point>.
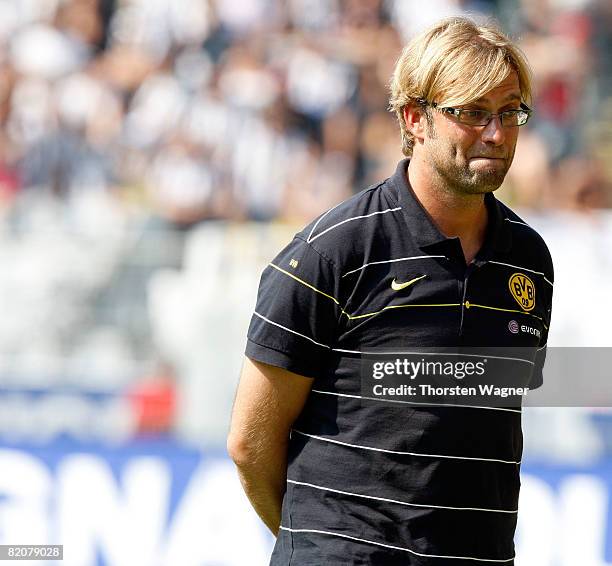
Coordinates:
<point>426,234</point>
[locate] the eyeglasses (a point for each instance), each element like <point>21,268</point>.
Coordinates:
<point>508,118</point>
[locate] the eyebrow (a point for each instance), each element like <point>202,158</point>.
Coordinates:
<point>511,96</point>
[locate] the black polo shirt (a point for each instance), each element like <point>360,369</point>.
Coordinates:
<point>377,481</point>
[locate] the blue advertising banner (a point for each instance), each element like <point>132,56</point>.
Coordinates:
<point>156,503</point>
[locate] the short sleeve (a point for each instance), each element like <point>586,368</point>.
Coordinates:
<point>295,321</point>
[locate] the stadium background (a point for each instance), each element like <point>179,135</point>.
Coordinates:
<point>154,155</point>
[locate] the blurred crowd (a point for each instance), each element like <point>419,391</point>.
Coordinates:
<point>184,111</point>
<point>128,126</point>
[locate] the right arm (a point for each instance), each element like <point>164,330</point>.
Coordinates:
<point>290,336</point>
<point>268,401</point>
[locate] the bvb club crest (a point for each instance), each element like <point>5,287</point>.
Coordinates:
<point>523,290</point>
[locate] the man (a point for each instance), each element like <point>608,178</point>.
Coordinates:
<point>428,258</point>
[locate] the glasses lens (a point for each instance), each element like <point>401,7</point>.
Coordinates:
<point>474,117</point>
<point>510,118</point>
<point>514,118</point>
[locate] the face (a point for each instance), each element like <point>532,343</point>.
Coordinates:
<point>474,159</point>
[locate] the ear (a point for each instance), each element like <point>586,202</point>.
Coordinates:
<point>415,120</point>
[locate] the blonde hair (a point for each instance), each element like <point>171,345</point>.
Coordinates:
<point>452,63</point>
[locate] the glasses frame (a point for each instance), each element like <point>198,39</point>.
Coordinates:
<point>456,112</point>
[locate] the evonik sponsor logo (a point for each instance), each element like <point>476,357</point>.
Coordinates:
<point>515,328</point>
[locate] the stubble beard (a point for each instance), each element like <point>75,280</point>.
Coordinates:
<point>460,179</point>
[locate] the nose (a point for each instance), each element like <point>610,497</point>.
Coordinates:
<point>494,132</point>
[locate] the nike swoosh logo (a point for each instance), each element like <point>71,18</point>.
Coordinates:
<point>399,286</point>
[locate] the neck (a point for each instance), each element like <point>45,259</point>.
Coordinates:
<point>455,214</point>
